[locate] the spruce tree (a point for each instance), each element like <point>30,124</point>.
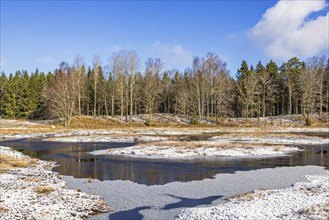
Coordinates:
<point>3,88</point>
<point>11,100</point>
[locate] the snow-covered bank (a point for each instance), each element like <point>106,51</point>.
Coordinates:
<point>272,139</point>
<point>32,191</point>
<point>90,135</point>
<point>304,200</point>
<point>163,202</point>
<point>108,138</point>
<point>181,151</point>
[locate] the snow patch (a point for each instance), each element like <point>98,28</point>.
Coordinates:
<point>296,202</point>
<point>20,199</point>
<point>154,151</point>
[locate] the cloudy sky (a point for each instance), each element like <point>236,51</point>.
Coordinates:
<point>42,34</point>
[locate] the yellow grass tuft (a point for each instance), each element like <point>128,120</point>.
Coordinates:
<point>7,162</point>
<point>3,209</point>
<point>246,196</point>
<point>44,189</point>
<point>204,144</point>
<point>33,179</point>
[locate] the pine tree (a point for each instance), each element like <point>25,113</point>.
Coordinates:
<point>11,99</point>
<point>276,87</point>
<point>246,89</point>
<point>291,71</point>
<point>3,88</point>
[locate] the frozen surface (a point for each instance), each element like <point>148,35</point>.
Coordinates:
<point>167,201</point>
<point>303,200</point>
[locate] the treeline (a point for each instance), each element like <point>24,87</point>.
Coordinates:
<point>207,90</point>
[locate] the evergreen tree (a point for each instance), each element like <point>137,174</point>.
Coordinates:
<point>3,88</point>
<point>276,87</point>
<point>11,99</point>
<point>246,89</point>
<point>291,71</point>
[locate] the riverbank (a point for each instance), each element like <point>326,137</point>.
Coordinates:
<point>303,200</point>
<point>30,190</point>
<point>167,201</point>
<point>181,150</point>
<point>182,142</point>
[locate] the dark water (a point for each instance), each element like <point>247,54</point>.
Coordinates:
<point>73,160</point>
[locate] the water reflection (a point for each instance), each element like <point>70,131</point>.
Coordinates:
<point>75,161</point>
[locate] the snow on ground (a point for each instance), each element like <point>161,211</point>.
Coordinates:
<point>27,131</point>
<point>35,192</point>
<point>304,200</point>
<point>163,202</point>
<point>104,138</point>
<point>6,123</point>
<point>172,151</point>
<point>94,138</point>
<point>301,140</point>
<point>64,134</point>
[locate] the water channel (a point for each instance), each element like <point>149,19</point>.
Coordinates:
<point>73,159</point>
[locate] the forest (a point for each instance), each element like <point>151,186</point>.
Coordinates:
<point>205,90</point>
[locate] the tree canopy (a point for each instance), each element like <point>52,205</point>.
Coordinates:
<point>207,90</point>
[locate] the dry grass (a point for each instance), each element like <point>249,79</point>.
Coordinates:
<point>246,196</point>
<point>103,122</point>
<point>278,147</point>
<point>321,210</point>
<point>205,144</point>
<point>33,179</point>
<point>3,209</point>
<point>44,189</point>
<point>85,122</point>
<point>264,134</point>
<point>7,162</point>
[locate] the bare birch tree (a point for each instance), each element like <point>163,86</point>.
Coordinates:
<point>62,93</point>
<point>151,84</point>
<point>133,64</point>
<point>79,70</point>
<point>96,72</point>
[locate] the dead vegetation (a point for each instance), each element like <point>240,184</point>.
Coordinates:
<point>322,211</point>
<point>246,196</point>
<point>206,144</point>
<point>7,162</point>
<point>159,121</point>
<point>44,189</point>
<point>33,179</point>
<point>86,122</point>
<point>3,209</point>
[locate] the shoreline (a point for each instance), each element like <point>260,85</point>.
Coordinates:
<point>170,152</point>
<point>166,201</point>
<point>303,200</point>
<point>28,188</point>
<point>155,201</point>
<point>161,143</point>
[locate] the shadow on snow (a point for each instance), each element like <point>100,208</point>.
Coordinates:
<point>131,214</point>
<point>188,202</point>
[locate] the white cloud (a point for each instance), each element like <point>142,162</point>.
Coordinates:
<point>114,48</point>
<point>45,60</point>
<point>285,30</point>
<point>3,62</point>
<point>173,55</point>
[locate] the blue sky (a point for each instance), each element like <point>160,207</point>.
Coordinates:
<point>44,33</point>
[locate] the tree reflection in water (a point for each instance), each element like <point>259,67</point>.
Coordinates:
<point>75,161</point>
